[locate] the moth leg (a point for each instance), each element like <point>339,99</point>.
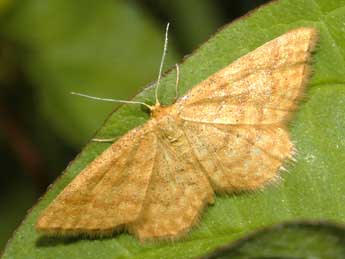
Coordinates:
<point>106,140</point>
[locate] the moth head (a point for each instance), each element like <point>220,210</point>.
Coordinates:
<point>158,111</point>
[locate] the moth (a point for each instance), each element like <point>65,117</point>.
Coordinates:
<point>227,134</point>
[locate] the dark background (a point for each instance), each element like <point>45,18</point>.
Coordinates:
<point>36,141</point>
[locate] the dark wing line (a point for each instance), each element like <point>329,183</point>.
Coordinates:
<point>229,124</point>
<point>197,159</point>
<point>216,99</point>
<point>253,144</point>
<point>248,141</point>
<point>281,67</point>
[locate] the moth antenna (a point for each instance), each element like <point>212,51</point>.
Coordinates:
<point>177,81</point>
<point>162,62</point>
<point>112,100</point>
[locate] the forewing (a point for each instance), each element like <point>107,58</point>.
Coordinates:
<point>177,194</point>
<point>108,193</point>
<point>261,87</point>
<point>238,158</point>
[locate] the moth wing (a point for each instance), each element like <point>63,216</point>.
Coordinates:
<point>177,194</point>
<point>261,87</point>
<point>238,158</point>
<point>108,193</point>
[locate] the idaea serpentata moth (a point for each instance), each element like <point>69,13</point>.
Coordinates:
<point>226,134</point>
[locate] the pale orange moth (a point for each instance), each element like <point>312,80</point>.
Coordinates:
<point>227,134</point>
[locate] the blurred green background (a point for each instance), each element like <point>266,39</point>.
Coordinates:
<point>108,48</point>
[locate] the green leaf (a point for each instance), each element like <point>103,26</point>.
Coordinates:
<point>290,240</point>
<point>312,189</point>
